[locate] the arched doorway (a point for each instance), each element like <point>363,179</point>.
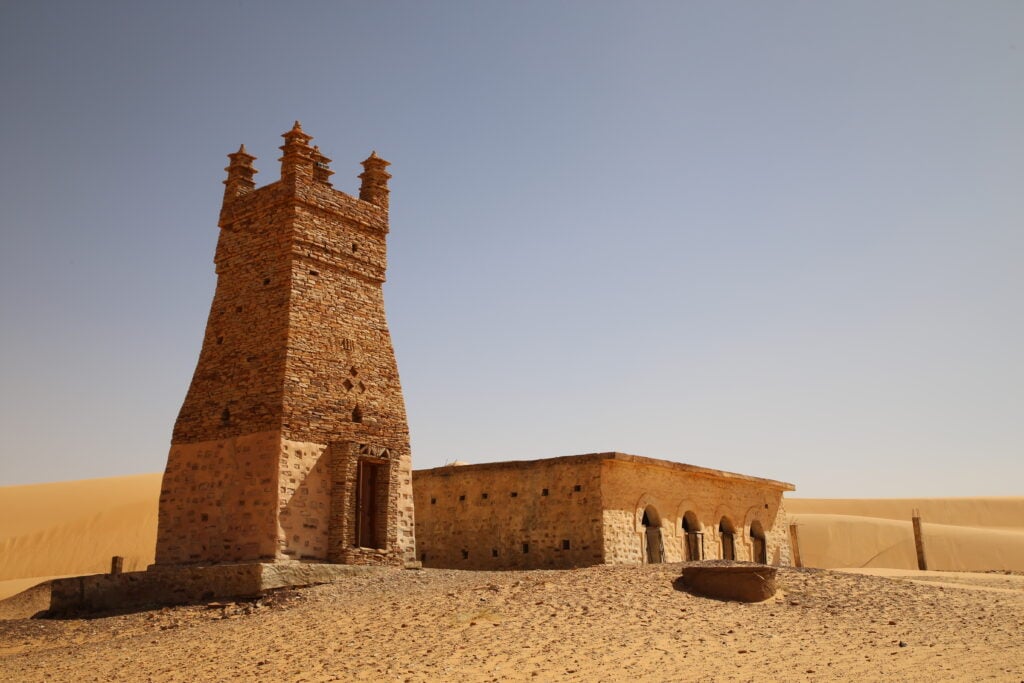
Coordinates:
<point>727,531</point>
<point>652,536</point>
<point>758,542</point>
<point>693,538</point>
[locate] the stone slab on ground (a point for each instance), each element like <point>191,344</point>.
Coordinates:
<point>740,582</point>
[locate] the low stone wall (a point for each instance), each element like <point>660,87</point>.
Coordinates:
<point>177,585</point>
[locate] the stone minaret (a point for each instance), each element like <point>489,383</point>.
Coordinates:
<point>292,443</point>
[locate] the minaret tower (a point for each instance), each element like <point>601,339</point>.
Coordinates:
<point>292,442</point>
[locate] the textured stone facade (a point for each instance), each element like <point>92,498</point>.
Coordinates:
<point>510,515</point>
<point>292,442</point>
<point>592,509</point>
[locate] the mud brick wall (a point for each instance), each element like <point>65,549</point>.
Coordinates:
<point>511,515</point>
<point>297,347</point>
<point>631,485</point>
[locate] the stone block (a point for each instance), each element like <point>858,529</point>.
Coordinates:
<point>739,582</point>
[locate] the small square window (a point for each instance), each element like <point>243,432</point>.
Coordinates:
<point>494,552</point>
<point>462,497</point>
<point>526,548</point>
<point>433,501</point>
<point>514,494</point>
<point>544,492</point>
<point>565,544</point>
<point>484,496</point>
<point>577,487</point>
<point>465,554</point>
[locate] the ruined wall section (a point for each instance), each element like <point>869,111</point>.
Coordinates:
<point>780,548</point>
<point>631,485</point>
<point>512,515</point>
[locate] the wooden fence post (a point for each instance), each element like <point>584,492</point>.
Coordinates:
<point>918,540</point>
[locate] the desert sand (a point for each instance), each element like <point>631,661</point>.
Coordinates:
<point>960,534</point>
<point>599,623</point>
<point>607,623</point>
<point>75,527</point>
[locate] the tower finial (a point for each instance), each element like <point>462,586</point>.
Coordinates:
<point>375,181</point>
<point>298,157</point>
<point>321,167</point>
<point>240,172</point>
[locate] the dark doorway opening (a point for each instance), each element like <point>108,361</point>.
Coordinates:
<point>371,504</point>
<point>758,542</point>
<point>693,538</point>
<point>726,529</point>
<point>652,535</point>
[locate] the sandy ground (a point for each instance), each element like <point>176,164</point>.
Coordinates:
<point>594,624</point>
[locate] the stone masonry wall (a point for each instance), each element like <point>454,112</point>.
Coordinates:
<point>304,501</point>
<point>631,485</point>
<point>513,515</point>
<point>296,345</point>
<point>218,500</point>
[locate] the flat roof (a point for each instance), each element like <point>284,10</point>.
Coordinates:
<point>610,456</point>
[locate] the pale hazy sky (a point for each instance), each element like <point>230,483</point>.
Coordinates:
<point>778,238</point>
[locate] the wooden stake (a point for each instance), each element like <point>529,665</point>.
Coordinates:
<point>795,545</point>
<point>918,540</point>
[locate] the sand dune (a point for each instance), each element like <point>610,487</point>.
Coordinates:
<point>75,527</point>
<point>960,534</point>
<point>70,528</point>
<point>1005,511</point>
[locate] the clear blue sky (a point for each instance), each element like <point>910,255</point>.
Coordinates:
<point>779,238</point>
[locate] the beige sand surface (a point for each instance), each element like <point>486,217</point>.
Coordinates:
<point>1004,511</point>
<point>75,527</point>
<point>594,624</point>
<point>960,534</point>
<point>981,581</point>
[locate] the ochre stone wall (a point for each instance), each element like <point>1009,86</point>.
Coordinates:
<point>296,347</point>
<point>218,500</point>
<point>304,501</point>
<point>531,511</point>
<point>667,491</point>
<point>458,527</point>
